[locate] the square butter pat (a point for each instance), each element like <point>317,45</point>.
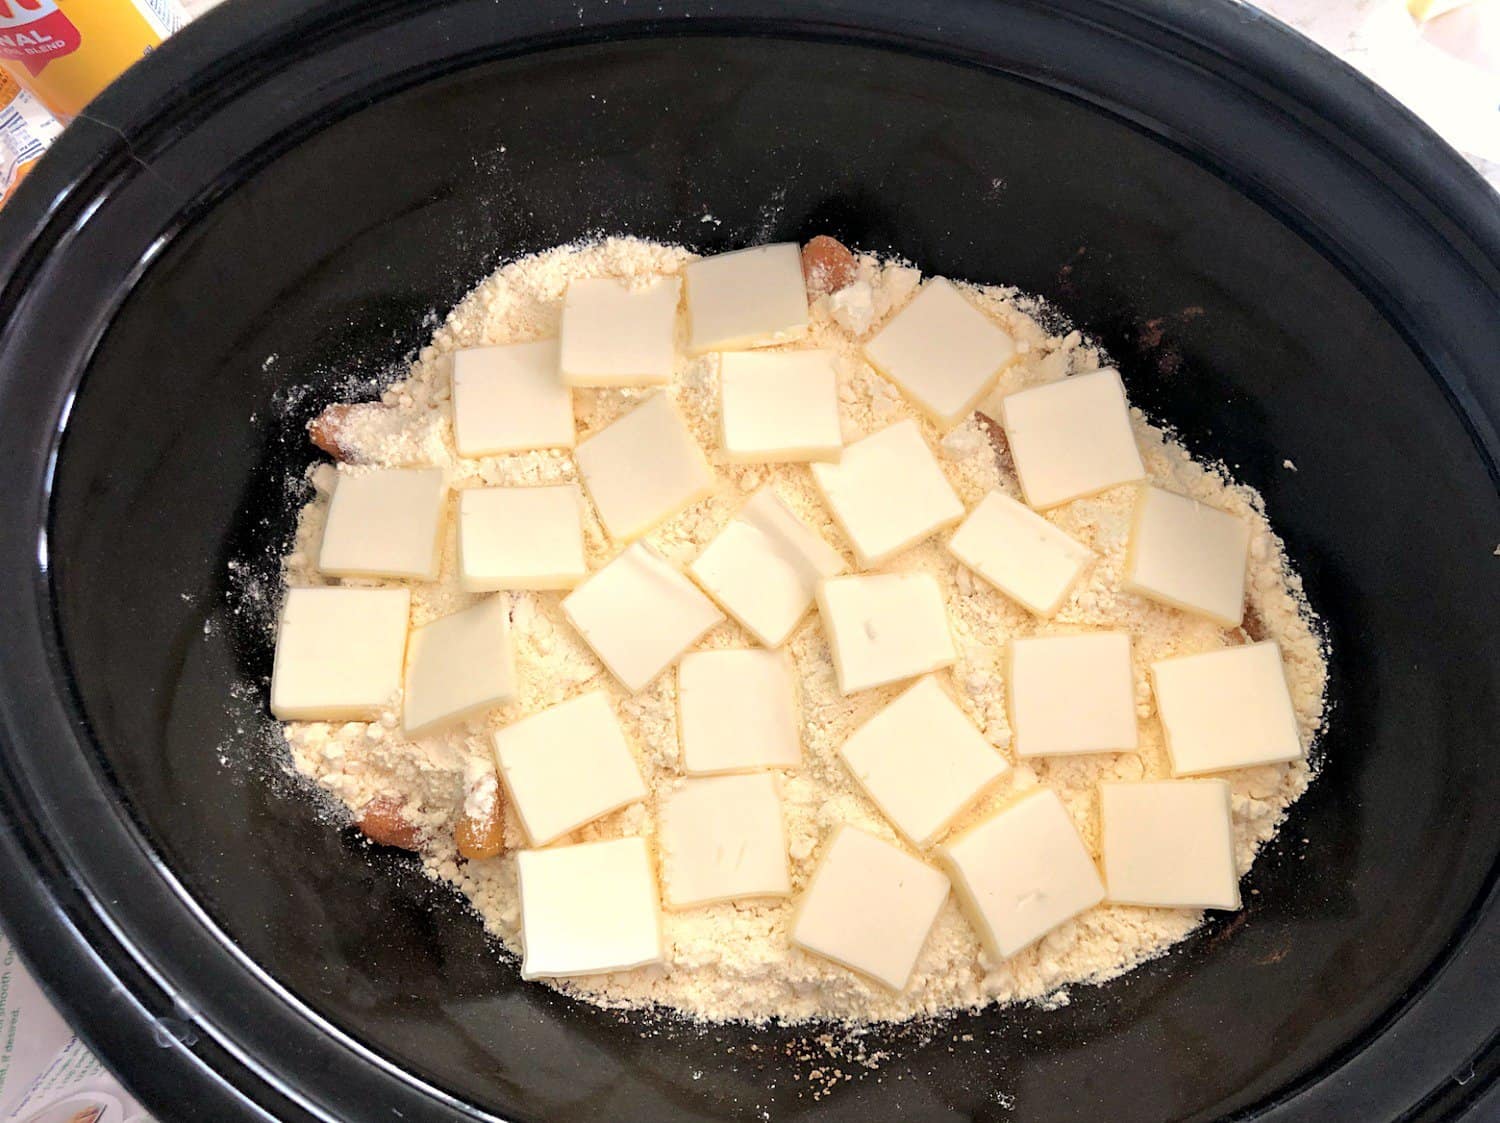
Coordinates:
<point>1071,438</point>
<point>943,352</point>
<point>922,761</point>
<point>385,523</point>
<point>869,907</point>
<point>616,335</point>
<point>643,468</point>
<point>510,399</point>
<point>764,567</point>
<point>639,614</point>
<point>884,628</point>
<point>748,298</point>
<point>887,492</point>
<point>588,909</point>
<point>1169,843</point>
<point>521,537</point>
<point>736,711</point>
<point>458,666</point>
<point>721,839</point>
<point>1021,873</point>
<point>1188,555</point>
<point>566,766</point>
<point>780,406</point>
<point>339,653</point>
<point>1020,553</point>
<point>1072,694</point>
<point>1226,709</point>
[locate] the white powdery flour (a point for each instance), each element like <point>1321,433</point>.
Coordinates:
<point>733,961</point>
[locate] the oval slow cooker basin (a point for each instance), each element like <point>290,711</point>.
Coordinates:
<point>267,214</point>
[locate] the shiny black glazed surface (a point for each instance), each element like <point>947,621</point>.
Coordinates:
<point>1271,280</point>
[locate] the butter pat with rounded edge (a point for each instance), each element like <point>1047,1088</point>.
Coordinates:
<point>779,406</point>
<point>384,522</point>
<point>1072,694</point>
<point>869,907</point>
<point>510,399</point>
<point>639,613</point>
<point>764,567</point>
<point>1020,553</point>
<point>566,766</point>
<point>1021,873</point>
<point>339,653</point>
<point>1226,709</point>
<point>588,909</point>
<point>1169,844</point>
<point>1071,438</point>
<point>614,334</point>
<point>1188,555</point>
<point>944,353</point>
<point>884,627</point>
<point>747,298</point>
<point>737,711</point>
<point>520,537</point>
<point>457,667</point>
<point>721,838</point>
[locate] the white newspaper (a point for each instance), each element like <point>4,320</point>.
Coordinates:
<point>46,1073</point>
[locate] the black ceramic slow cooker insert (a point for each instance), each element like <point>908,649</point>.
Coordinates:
<point>1283,262</point>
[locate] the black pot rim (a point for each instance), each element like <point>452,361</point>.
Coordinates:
<point>168,1050</point>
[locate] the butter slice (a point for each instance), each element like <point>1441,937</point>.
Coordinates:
<point>1020,553</point>
<point>721,839</point>
<point>616,335</point>
<point>1169,843</point>
<point>780,406</point>
<point>510,399</point>
<point>887,493</point>
<point>944,353</point>
<point>566,766</point>
<point>521,537</point>
<point>748,298</point>
<point>869,907</point>
<point>1226,709</point>
<point>922,761</point>
<point>1071,438</point>
<point>764,567</point>
<point>339,653</point>
<point>643,468</point>
<point>736,711</point>
<point>1021,873</point>
<point>1072,694</point>
<point>884,628</point>
<point>639,614</point>
<point>384,523</point>
<point>588,909</point>
<point>458,666</point>
<point>1188,555</point>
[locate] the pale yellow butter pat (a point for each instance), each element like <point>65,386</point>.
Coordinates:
<point>1188,555</point>
<point>1021,873</point>
<point>721,838</point>
<point>887,493</point>
<point>1020,553</point>
<point>1169,844</point>
<point>748,298</point>
<point>737,711</point>
<point>1226,709</point>
<point>643,468</point>
<point>764,567</point>
<point>1071,438</point>
<point>566,766</point>
<point>588,909</point>
<point>617,335</point>
<point>944,353</point>
<point>457,667</point>
<point>779,406</point>
<point>385,522</point>
<point>922,762</point>
<point>521,537</point>
<point>639,614</point>
<point>510,399</point>
<point>339,653</point>
<point>884,628</point>
<point>869,907</point>
<point>1072,694</point>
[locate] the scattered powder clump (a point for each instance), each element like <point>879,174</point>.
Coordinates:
<point>734,960</point>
